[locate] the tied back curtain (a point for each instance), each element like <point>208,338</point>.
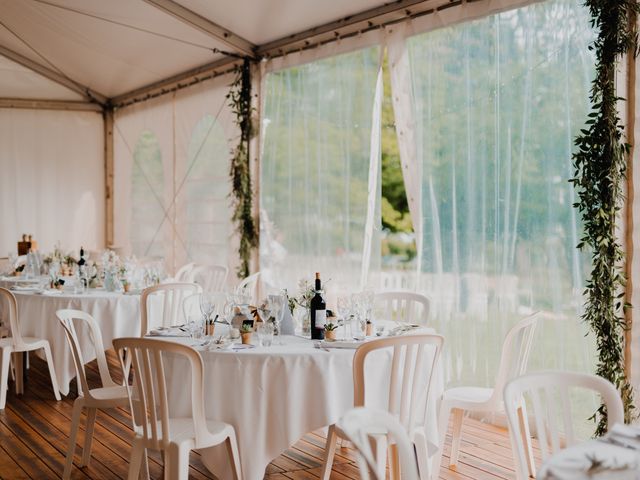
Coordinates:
<point>496,105</point>
<point>320,171</point>
<point>172,187</point>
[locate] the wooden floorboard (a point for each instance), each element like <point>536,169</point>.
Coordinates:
<point>34,435</point>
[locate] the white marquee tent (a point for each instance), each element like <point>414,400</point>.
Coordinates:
<point>107,110</point>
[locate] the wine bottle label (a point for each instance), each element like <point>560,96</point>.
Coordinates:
<point>321,319</point>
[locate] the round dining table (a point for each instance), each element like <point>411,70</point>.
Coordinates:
<point>274,395</point>
<point>117,314</point>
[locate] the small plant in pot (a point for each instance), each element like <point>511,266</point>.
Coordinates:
<point>245,333</point>
<point>330,331</point>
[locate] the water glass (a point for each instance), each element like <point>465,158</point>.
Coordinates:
<point>265,334</point>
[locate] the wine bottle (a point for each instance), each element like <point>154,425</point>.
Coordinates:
<point>318,312</point>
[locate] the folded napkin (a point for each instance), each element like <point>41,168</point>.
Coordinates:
<point>51,293</point>
<point>26,288</point>
<point>340,344</point>
<point>168,332</point>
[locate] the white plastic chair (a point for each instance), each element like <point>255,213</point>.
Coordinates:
<point>488,400</point>
<point>408,307</point>
<point>173,295</point>
<point>16,344</point>
<point>109,395</point>
<point>415,358</point>
<point>185,273</point>
<point>249,286</point>
<point>152,425</point>
<point>212,278</point>
<point>549,395</point>
<point>360,424</point>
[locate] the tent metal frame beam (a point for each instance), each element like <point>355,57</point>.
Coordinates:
<point>176,82</point>
<point>28,103</point>
<point>56,77</point>
<point>369,19</point>
<point>205,25</point>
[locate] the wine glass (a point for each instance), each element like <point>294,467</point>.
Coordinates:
<point>276,306</point>
<point>344,310</point>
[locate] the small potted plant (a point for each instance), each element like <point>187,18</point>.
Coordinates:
<point>330,331</point>
<point>245,333</point>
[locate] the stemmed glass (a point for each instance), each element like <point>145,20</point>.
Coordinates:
<point>207,307</point>
<point>276,304</point>
<point>344,313</point>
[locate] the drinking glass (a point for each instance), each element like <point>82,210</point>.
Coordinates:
<point>265,334</point>
<point>207,307</point>
<point>276,306</point>
<point>344,312</point>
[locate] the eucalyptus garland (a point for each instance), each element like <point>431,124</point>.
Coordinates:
<point>240,171</point>
<point>600,164</point>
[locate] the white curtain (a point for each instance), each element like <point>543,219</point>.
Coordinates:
<point>52,180</point>
<point>171,177</point>
<point>493,106</point>
<point>320,168</point>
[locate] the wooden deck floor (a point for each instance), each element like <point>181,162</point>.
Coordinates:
<point>34,429</point>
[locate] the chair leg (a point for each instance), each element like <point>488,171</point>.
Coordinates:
<point>18,362</point>
<point>137,451</point>
<point>75,424</point>
<point>4,376</point>
<point>329,453</point>
<point>234,457</point>
<point>88,436</point>
<point>523,419</point>
<point>443,423</point>
<point>144,472</point>
<point>394,463</point>
<point>458,415</point>
<point>52,370</point>
<point>379,447</point>
<point>176,463</point>
<point>422,456</point>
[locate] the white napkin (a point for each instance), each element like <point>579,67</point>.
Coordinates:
<point>340,344</point>
<point>167,332</point>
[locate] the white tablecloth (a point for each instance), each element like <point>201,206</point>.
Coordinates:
<point>592,460</point>
<point>117,315</point>
<point>273,396</point>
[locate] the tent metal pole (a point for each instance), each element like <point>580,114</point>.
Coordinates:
<point>176,82</point>
<point>56,77</point>
<point>34,104</point>
<point>108,175</point>
<point>205,25</point>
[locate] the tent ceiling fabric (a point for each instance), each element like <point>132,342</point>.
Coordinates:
<point>268,20</point>
<point>17,81</point>
<point>85,40</point>
<point>104,56</point>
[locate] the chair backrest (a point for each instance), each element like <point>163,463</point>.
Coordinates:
<point>516,350</point>
<point>67,317</point>
<point>413,366</point>
<point>408,307</point>
<point>184,273</point>
<point>14,320</point>
<point>549,395</point>
<point>360,424</point>
<point>249,286</point>
<point>212,278</point>
<point>172,295</point>
<point>148,393</point>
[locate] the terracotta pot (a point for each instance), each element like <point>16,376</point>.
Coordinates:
<point>246,338</point>
<point>210,329</point>
<point>330,334</point>
<point>126,287</point>
<point>369,329</point>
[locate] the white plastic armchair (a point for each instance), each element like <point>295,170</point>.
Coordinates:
<point>408,307</point>
<point>549,395</point>
<point>414,362</point>
<point>514,359</point>
<point>249,286</point>
<point>15,345</point>
<point>212,278</point>
<point>172,296</point>
<point>153,428</point>
<point>361,424</point>
<point>185,273</point>
<point>109,395</point>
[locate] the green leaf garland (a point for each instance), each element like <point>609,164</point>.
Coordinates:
<point>240,171</point>
<point>600,164</point>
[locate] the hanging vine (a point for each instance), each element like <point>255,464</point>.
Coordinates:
<point>600,165</point>
<point>239,97</point>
